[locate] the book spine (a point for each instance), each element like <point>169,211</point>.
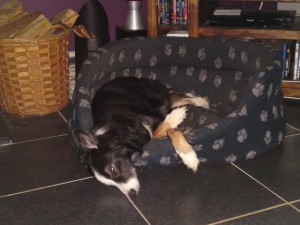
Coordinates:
<point>296,61</point>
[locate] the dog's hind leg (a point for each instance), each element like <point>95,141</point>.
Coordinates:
<point>179,99</point>
<point>184,149</point>
<point>172,120</point>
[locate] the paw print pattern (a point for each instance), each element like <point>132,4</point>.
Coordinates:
<point>122,56</point>
<point>275,112</point>
<point>201,54</point>
<point>258,89</point>
<point>113,75</point>
<point>84,104</point>
<point>238,75</point>
<point>168,49</point>
<point>152,76</point>
<point>242,135</point>
<point>250,155</point>
<point>218,144</point>
<point>281,111</point>
<point>153,61</point>
<point>231,158</point>
<point>232,95</point>
<point>165,161</point>
<point>141,162</point>
<point>198,148</point>
<point>268,137</point>
<point>217,80</point>
<point>244,111</point>
<point>212,126</point>
<point>261,74</point>
<point>231,53</point>
<point>138,55</point>
<point>203,75</point>
<point>280,137</point>
<point>173,70</point>
<point>182,51</point>
<point>126,72</point>
<point>244,57</point>
<point>202,120</point>
<point>112,59</point>
<point>264,116</point>
<point>270,90</point>
<point>190,71</point>
<point>138,73</point>
<point>84,91</point>
<point>218,63</point>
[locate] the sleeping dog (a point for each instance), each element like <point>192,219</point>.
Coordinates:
<point>128,113</point>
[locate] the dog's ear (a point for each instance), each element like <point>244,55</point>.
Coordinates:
<point>85,139</point>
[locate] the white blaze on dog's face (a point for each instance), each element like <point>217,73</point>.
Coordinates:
<point>113,168</point>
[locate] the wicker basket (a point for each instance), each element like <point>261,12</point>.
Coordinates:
<point>34,78</point>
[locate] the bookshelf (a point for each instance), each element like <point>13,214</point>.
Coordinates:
<point>291,89</point>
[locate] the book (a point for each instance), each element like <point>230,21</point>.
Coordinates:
<point>227,12</point>
<point>178,33</point>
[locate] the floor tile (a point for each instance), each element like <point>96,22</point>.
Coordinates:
<point>4,135</point>
<point>67,112</point>
<point>291,130</point>
<point>217,191</point>
<point>34,127</point>
<point>278,169</point>
<point>39,163</point>
<point>297,204</point>
<point>280,216</point>
<point>81,203</point>
<point>292,113</point>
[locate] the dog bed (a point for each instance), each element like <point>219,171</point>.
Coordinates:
<point>241,80</point>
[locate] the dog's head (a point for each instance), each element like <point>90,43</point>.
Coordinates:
<point>110,162</point>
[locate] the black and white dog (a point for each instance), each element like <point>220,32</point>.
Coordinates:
<point>128,113</point>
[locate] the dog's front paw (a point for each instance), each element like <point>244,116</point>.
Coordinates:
<point>191,160</point>
<point>200,102</point>
<point>176,117</point>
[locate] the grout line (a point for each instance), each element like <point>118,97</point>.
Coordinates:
<point>264,186</point>
<point>45,187</point>
<point>292,135</point>
<point>141,214</point>
<point>33,140</point>
<point>62,116</point>
<point>249,214</point>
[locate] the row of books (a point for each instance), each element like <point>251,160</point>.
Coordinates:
<point>173,12</point>
<point>291,60</point>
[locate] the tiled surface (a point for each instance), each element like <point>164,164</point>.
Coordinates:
<point>41,183</point>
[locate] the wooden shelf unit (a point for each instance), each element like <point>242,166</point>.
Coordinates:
<point>290,88</point>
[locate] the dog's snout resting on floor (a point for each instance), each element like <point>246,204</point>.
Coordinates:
<point>128,113</point>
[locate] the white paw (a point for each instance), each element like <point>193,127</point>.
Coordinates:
<point>191,160</point>
<point>200,102</point>
<point>176,117</point>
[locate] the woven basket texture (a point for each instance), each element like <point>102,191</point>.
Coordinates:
<point>34,74</point>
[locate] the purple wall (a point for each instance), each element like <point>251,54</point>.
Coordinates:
<point>116,10</point>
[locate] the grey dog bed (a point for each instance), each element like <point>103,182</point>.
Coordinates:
<point>241,80</point>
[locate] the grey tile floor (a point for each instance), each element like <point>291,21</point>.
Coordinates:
<point>42,184</point>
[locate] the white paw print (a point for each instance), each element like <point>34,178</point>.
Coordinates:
<point>242,135</point>
<point>261,74</point>
<point>182,51</point>
<point>217,80</point>
<point>264,116</point>
<point>138,73</point>
<point>168,49</point>
<point>238,75</point>
<point>152,76</point>
<point>270,90</point>
<point>126,72</point>
<point>190,71</point>
<point>244,57</point>
<point>231,158</point>
<point>203,75</point>
<point>84,104</point>
<point>232,115</point>
<point>113,75</point>
<point>112,59</point>
<point>212,126</point>
<point>173,70</point>
<point>218,63</point>
<point>231,53</point>
<point>198,148</point>
<point>275,112</point>
<point>122,56</point>
<point>202,119</point>
<point>232,95</point>
<point>280,137</point>
<point>258,89</point>
<point>138,55</point>
<point>84,91</point>
<point>201,54</point>
<point>244,111</point>
<point>165,161</point>
<point>218,144</point>
<point>153,61</point>
<point>268,137</point>
<point>250,155</point>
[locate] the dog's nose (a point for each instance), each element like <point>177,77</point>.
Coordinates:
<point>132,193</point>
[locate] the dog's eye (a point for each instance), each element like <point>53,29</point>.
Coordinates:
<point>112,170</point>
